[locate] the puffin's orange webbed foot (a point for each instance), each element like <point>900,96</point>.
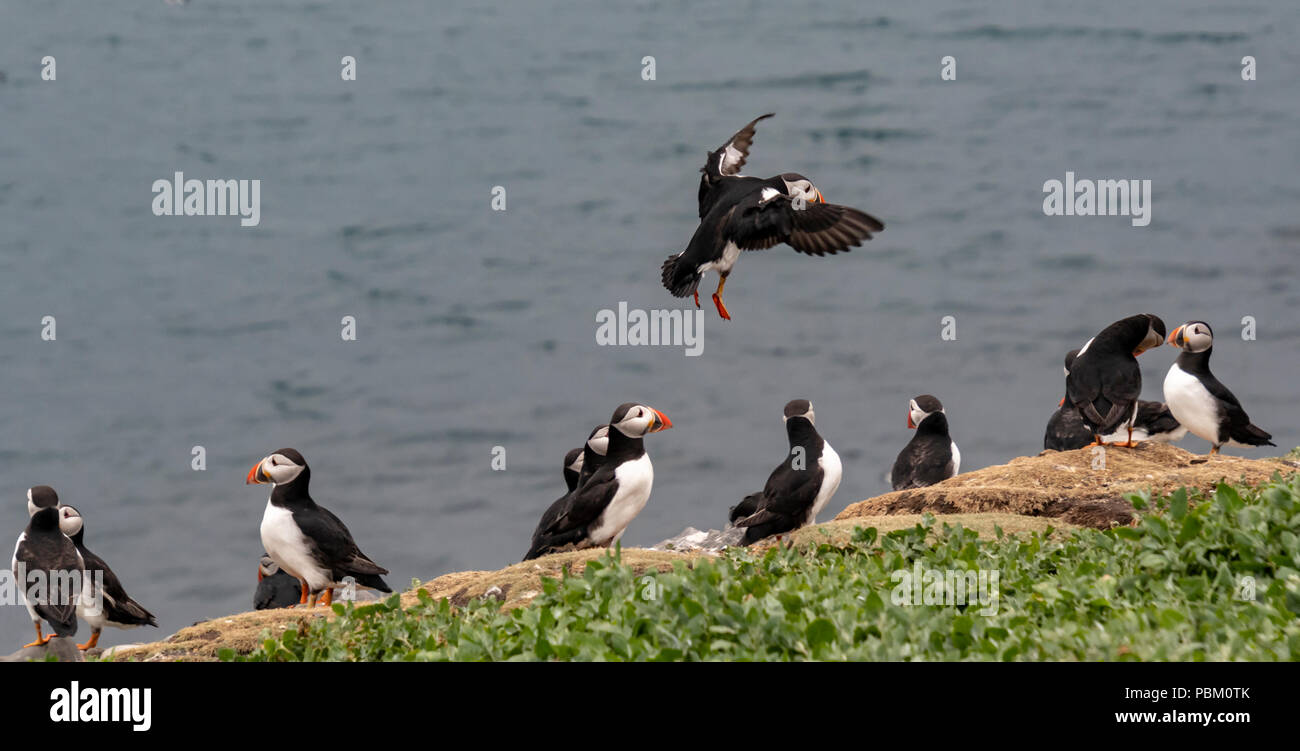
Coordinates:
<point>722,309</point>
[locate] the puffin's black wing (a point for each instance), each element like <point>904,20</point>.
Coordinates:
<point>1105,403</point>
<point>334,545</point>
<point>565,522</point>
<point>118,605</point>
<point>816,229</point>
<point>1066,430</point>
<point>57,603</point>
<point>731,156</point>
<point>1235,422</point>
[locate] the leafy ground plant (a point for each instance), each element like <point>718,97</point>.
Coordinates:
<point>1197,578</point>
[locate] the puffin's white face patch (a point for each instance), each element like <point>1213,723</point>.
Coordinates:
<point>69,521</point>
<point>280,469</point>
<point>636,422</point>
<point>768,194</point>
<point>600,441</point>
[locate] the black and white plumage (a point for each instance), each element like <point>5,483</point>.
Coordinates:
<point>275,588</point>
<point>1067,431</point>
<point>931,456</point>
<point>573,468</point>
<point>306,540</point>
<point>1105,381</point>
<point>799,487</point>
<point>750,213</point>
<point>593,453</point>
<point>1199,401</point>
<point>47,567</point>
<point>103,602</point>
<point>598,511</point>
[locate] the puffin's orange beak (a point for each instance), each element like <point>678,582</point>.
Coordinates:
<point>820,197</point>
<point>259,573</point>
<point>1062,402</point>
<point>255,476</point>
<point>910,424</point>
<point>661,421</point>
<point>1173,336</point>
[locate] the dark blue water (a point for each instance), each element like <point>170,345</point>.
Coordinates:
<point>477,328</point>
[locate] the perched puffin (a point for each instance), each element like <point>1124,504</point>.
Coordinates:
<point>1199,401</point>
<point>573,467</point>
<point>599,510</point>
<point>106,606</point>
<point>749,213</point>
<point>275,588</point>
<point>1105,380</point>
<point>306,540</point>
<point>800,485</point>
<point>47,567</point>
<point>1066,430</point>
<point>931,456</point>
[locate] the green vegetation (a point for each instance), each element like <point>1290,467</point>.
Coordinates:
<point>1199,578</point>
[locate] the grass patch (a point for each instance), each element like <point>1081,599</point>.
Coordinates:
<point>1202,576</point>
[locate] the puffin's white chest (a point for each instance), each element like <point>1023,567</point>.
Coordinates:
<point>730,252</point>
<point>1191,404</point>
<point>289,548</point>
<point>635,478</point>
<point>956,459</point>
<point>832,472</point>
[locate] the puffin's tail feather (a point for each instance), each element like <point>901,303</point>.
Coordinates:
<point>1253,436</point>
<point>678,278</point>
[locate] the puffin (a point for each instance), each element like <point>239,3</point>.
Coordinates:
<point>47,567</point>
<point>597,513</point>
<point>573,467</point>
<point>1105,380</point>
<point>798,488</point>
<point>932,455</point>
<point>1199,400</point>
<point>304,539</point>
<point>738,213</point>
<point>275,588</point>
<point>103,601</point>
<point>1066,430</point>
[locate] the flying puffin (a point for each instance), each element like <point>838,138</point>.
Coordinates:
<point>749,213</point>
<point>799,487</point>
<point>1105,380</point>
<point>275,588</point>
<point>45,554</point>
<point>306,540</point>
<point>1199,401</point>
<point>1066,430</point>
<point>573,467</point>
<point>932,455</point>
<point>106,606</point>
<point>599,510</point>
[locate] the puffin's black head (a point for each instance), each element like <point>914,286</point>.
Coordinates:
<point>1069,360</point>
<point>70,521</point>
<point>635,420</point>
<point>1155,334</point>
<point>797,186</point>
<point>598,441</point>
<point>39,497</point>
<point>800,408</point>
<point>280,468</point>
<point>573,461</point>
<point>1193,336</point>
<point>920,408</point>
<point>267,567</point>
